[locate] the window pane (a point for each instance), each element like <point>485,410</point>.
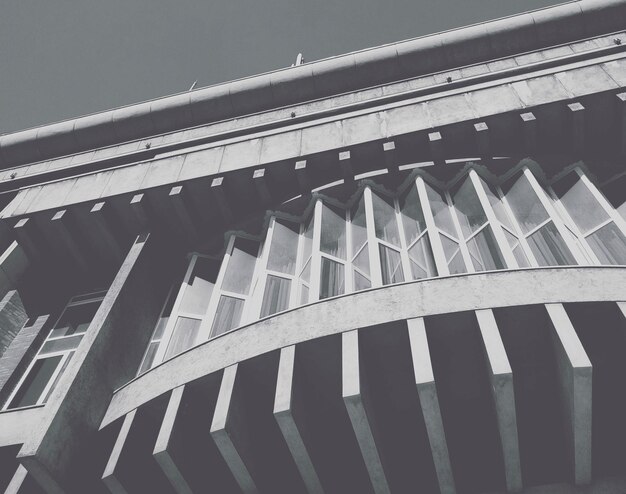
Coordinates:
<point>307,245</point>
<point>331,279</point>
<point>362,261</point>
<point>412,215</point>
<point>58,377</point>
<point>75,319</point>
<point>227,315</point>
<point>241,266</point>
<point>549,248</point>
<point>391,265</point>
<point>456,265</point>
<point>333,240</point>
<point>31,389</point>
<point>441,211</point>
<point>484,251</point>
<point>422,260</point>
<point>200,286</point>
<point>583,207</point>
<point>385,222</point>
<point>149,357</point>
<point>306,272</point>
<point>453,255</point>
<point>183,337</point>
<point>276,297</point>
<point>304,295</point>
<point>470,212</point>
<point>525,205</point>
<point>61,344</point>
<point>282,257</point>
<point>497,206</point>
<point>522,260</point>
<point>359,230</point>
<point>361,282</point>
<point>609,244</point>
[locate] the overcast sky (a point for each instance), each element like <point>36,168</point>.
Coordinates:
<point>64,58</point>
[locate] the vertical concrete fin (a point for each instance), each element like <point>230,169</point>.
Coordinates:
<point>503,396</point>
<point>161,451</point>
<point>224,431</point>
<point>290,422</point>
<point>110,476</point>
<point>18,479</point>
<point>358,411</point>
<point>429,402</point>
<point>575,376</point>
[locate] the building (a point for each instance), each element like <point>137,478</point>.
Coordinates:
<point>397,270</point>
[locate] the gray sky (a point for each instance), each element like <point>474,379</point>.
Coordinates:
<point>65,58</point>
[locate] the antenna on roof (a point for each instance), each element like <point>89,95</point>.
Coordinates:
<point>193,86</point>
<point>299,60</point>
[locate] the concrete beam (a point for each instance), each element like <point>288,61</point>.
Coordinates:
<point>302,175</point>
<point>110,476</point>
<point>101,215</point>
<point>429,402</point>
<point>353,394</point>
<point>345,162</point>
<point>483,139</point>
<point>576,123</point>
<point>184,209</point>
<point>228,434</point>
<point>217,190</point>
<point>290,421</point>
<point>161,452</point>
<point>575,377</point>
<point>436,147</point>
<point>529,131</point>
<point>621,121</point>
<point>501,377</point>
<point>391,163</point>
<point>67,230</point>
<point>17,481</point>
<point>260,184</point>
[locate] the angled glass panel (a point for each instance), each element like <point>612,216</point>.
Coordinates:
<point>456,265</point>
<point>361,282</point>
<point>520,256</point>
<point>412,215</point>
<point>332,278</point>
<point>276,296</point>
<point>453,255</point>
<point>391,264</point>
<point>304,295</point>
<point>362,261</point>
<point>241,266</point>
<point>333,239</point>
<point>470,212</point>
<point>196,297</point>
<point>525,204</point>
<point>58,376</point>
<point>359,226</point>
<point>583,207</point>
<point>37,379</point>
<point>385,222</point>
<point>422,260</point>
<point>609,244</point>
<point>549,248</point>
<point>307,240</point>
<point>75,319</point>
<point>441,211</point>
<point>183,337</point>
<point>306,272</point>
<point>227,315</point>
<point>149,358</point>
<point>497,206</point>
<point>484,251</point>
<point>284,249</point>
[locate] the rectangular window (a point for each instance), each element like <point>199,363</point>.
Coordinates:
<point>609,244</point>
<point>333,235</point>
<point>241,266</point>
<point>276,296</point>
<point>198,289</point>
<point>391,265</point>
<point>227,315</point>
<point>332,278</point>
<point>422,259</point>
<point>549,248</point>
<point>36,381</point>
<point>183,336</point>
<point>284,249</point>
<point>484,251</point>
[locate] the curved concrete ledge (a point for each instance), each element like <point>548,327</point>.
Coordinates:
<point>481,42</point>
<point>368,308</point>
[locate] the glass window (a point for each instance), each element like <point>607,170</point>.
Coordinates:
<point>422,260</point>
<point>498,206</point>
<point>241,266</point>
<point>276,296</point>
<point>361,282</point>
<point>149,357</point>
<point>36,381</point>
<point>304,295</point>
<point>306,272</point>
<point>516,247</point>
<point>75,319</point>
<point>441,211</point>
<point>412,215</point>
<point>609,244</point>
<point>525,204</point>
<point>452,251</point>
<point>332,279</point>
<point>333,239</point>
<point>484,251</point>
<point>61,344</point>
<point>549,248</point>
<point>470,212</point>
<point>58,376</point>
<point>184,336</point>
<point>358,224</point>
<point>284,249</point>
<point>385,222</point>
<point>362,260</point>
<point>227,315</point>
<point>198,291</point>
<point>391,264</point>
<point>307,240</point>
<point>582,206</point>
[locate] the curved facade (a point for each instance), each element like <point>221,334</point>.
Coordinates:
<point>417,285</point>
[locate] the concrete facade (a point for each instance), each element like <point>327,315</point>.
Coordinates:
<point>397,270</point>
